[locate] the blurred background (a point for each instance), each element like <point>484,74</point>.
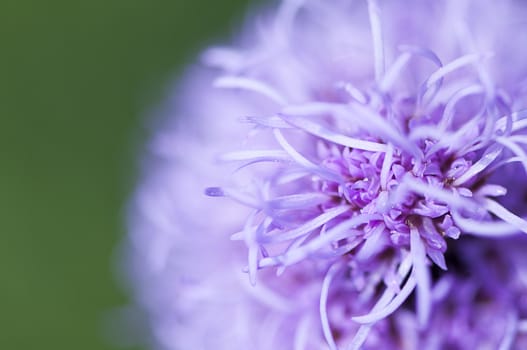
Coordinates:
<point>77,79</point>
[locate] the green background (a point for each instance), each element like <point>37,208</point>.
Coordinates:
<point>76,80</point>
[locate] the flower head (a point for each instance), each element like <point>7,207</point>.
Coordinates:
<point>369,163</point>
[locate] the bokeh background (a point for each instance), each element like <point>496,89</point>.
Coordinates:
<point>77,78</point>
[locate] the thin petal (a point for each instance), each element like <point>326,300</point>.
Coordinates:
<point>249,84</point>
<point>297,201</point>
<point>386,166</point>
<point>302,333</point>
<point>387,296</point>
<point>454,65</point>
<point>484,228</point>
<point>254,156</point>
<point>341,231</point>
<point>326,329</point>
<point>422,276</point>
<point>376,34</point>
<point>307,227</point>
<point>504,214</point>
<point>488,157</point>
<point>517,150</point>
<point>326,134</point>
<point>392,306</point>
<point>428,191</point>
<point>511,329</point>
<point>304,162</point>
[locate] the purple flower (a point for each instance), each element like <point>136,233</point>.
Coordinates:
<point>369,162</point>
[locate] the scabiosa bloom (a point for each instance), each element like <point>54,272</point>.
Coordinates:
<point>369,166</point>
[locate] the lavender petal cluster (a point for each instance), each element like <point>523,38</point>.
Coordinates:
<point>347,175</point>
